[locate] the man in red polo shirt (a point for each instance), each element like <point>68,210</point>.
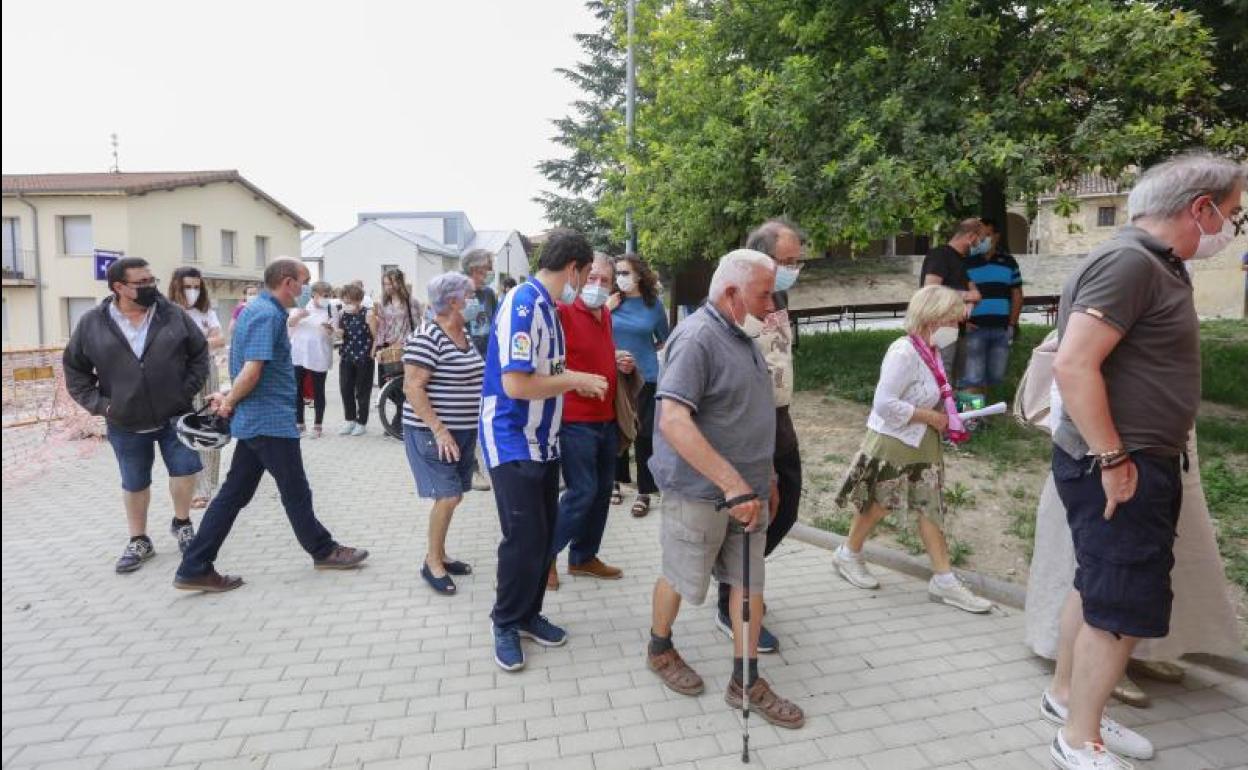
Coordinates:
<point>588,438</point>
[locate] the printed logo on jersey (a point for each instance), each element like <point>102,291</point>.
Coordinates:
<point>521,345</point>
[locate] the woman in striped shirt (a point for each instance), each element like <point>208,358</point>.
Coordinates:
<point>442,374</point>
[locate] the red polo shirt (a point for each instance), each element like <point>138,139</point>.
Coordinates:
<point>591,348</point>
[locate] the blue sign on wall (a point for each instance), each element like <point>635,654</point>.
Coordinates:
<point>104,258</point>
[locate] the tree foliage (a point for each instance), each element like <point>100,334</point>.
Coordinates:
<point>864,119</point>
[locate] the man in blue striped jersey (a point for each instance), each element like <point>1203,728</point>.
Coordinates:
<point>521,407</point>
<point>994,321</point>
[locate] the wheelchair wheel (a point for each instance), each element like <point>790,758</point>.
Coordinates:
<point>390,408</point>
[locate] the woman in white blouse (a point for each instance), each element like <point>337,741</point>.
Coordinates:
<point>312,352</point>
<point>187,291</point>
<point>900,468</point>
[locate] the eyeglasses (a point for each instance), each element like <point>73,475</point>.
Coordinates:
<point>142,284</point>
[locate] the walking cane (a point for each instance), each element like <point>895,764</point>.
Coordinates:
<point>745,649</point>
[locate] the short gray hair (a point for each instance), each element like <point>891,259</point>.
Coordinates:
<point>447,287</point>
<point>1168,188</point>
<point>282,268</point>
<point>475,258</point>
<point>765,237</point>
<point>735,269</point>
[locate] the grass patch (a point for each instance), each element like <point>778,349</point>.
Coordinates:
<point>958,551</point>
<point>1223,447</point>
<point>958,496</point>
<point>837,523</point>
<point>1007,444</point>
<point>1023,527</point>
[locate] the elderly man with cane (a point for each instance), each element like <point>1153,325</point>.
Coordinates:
<point>713,462</point>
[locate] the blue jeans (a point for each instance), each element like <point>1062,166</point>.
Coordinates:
<point>437,479</point>
<point>282,459</point>
<point>136,454</point>
<point>587,451</point>
<point>987,355</point>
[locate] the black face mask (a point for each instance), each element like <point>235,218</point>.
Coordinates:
<point>146,296</point>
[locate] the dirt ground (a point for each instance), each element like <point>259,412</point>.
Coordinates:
<point>830,430</point>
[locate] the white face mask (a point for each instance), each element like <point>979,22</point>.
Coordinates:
<point>626,283</point>
<point>594,296</point>
<point>350,308</point>
<point>750,325</point>
<point>945,336</point>
<point>192,296</point>
<point>1212,243</point>
<point>569,292</point>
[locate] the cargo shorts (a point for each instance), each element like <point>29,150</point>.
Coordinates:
<point>698,543</point>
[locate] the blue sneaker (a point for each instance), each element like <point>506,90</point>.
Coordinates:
<point>507,652</point>
<point>542,631</point>
<point>767,641</point>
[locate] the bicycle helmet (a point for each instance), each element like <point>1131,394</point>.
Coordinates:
<point>203,430</point>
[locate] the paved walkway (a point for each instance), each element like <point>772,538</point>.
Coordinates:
<point>303,669</point>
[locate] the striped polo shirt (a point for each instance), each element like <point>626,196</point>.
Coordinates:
<point>996,277</point>
<point>454,385</point>
<point>527,337</point>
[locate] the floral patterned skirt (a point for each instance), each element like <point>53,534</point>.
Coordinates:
<point>908,481</point>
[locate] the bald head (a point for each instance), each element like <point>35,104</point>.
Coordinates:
<point>285,278</point>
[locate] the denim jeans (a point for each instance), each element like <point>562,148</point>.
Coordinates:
<point>282,459</point>
<point>587,451</point>
<point>136,454</point>
<point>987,356</point>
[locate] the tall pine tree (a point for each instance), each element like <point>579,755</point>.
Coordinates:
<point>581,179</point>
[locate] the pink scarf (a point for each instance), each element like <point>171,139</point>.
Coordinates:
<point>957,431</point>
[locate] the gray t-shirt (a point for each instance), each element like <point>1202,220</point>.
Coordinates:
<point>712,367</point>
<point>1136,284</point>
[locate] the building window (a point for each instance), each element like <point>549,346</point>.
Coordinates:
<point>227,247</point>
<point>262,250</point>
<point>76,236</point>
<point>1105,216</point>
<point>450,232</point>
<point>12,247</point>
<point>190,243</point>
<point>75,309</point>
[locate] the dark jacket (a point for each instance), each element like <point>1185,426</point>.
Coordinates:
<point>135,394</point>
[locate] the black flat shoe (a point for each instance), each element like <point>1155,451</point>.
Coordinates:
<point>457,567</point>
<point>443,585</point>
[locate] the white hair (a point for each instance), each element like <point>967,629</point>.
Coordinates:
<point>1168,188</point>
<point>474,259</point>
<point>735,269</point>
<point>447,287</point>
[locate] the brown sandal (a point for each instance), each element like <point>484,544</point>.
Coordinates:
<point>642,506</point>
<point>768,705</point>
<point>675,672</point>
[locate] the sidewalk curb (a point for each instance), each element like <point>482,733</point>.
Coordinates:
<point>999,591</point>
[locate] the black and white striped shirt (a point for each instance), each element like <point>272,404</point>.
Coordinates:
<point>454,385</point>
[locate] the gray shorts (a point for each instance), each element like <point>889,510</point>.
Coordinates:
<point>697,543</point>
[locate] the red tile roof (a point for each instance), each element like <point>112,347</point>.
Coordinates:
<point>133,183</point>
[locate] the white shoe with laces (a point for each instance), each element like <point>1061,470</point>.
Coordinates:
<point>358,430</point>
<point>1119,739</point>
<point>346,428</point>
<point>1093,756</point>
<point>853,568</point>
<point>957,595</point>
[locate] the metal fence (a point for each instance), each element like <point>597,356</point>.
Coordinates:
<point>41,422</point>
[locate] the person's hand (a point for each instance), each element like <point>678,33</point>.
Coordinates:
<point>938,419</point>
<point>590,385</point>
<point>625,362</point>
<point>614,299</point>
<point>448,449</point>
<point>1119,483</point>
<point>970,327</point>
<point>220,405</point>
<point>967,307</point>
<point>746,513</point>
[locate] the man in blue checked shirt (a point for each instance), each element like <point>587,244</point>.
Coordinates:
<point>261,408</point>
<point>521,409</point>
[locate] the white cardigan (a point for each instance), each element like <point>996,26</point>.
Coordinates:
<point>905,384</point>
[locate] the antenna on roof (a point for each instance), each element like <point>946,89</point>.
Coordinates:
<point>116,169</point>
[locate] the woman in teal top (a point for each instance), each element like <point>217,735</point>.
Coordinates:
<point>639,324</point>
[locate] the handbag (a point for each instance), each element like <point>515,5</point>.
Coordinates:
<point>1032,400</point>
<point>957,431</point>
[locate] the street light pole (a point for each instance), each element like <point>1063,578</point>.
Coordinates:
<point>629,109</point>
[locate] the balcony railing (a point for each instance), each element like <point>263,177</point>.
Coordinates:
<point>19,263</point>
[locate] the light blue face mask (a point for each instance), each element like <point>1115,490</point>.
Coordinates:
<point>981,248</point>
<point>786,276</point>
<point>594,296</point>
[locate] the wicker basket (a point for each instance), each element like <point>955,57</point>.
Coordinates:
<point>390,355</point>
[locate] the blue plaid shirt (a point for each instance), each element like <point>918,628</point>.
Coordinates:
<point>260,335</point>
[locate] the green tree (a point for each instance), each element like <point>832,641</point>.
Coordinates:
<point>863,119</point>
<point>586,133</point>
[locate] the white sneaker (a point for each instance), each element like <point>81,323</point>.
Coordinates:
<point>957,595</point>
<point>346,428</point>
<point>1092,756</point>
<point>853,568</point>
<point>1118,738</point>
<point>358,430</point>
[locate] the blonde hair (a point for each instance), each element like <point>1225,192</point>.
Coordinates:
<point>932,306</point>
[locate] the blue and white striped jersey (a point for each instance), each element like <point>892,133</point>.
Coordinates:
<point>527,337</point>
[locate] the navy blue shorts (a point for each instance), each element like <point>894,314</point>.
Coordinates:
<point>435,478</point>
<point>1123,565</point>
<point>136,454</point>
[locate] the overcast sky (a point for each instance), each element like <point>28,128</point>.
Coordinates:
<point>332,108</point>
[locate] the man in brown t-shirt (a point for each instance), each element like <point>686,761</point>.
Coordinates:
<point>1128,368</point>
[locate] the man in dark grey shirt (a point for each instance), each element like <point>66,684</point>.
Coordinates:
<point>1128,368</point>
<point>716,420</point>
